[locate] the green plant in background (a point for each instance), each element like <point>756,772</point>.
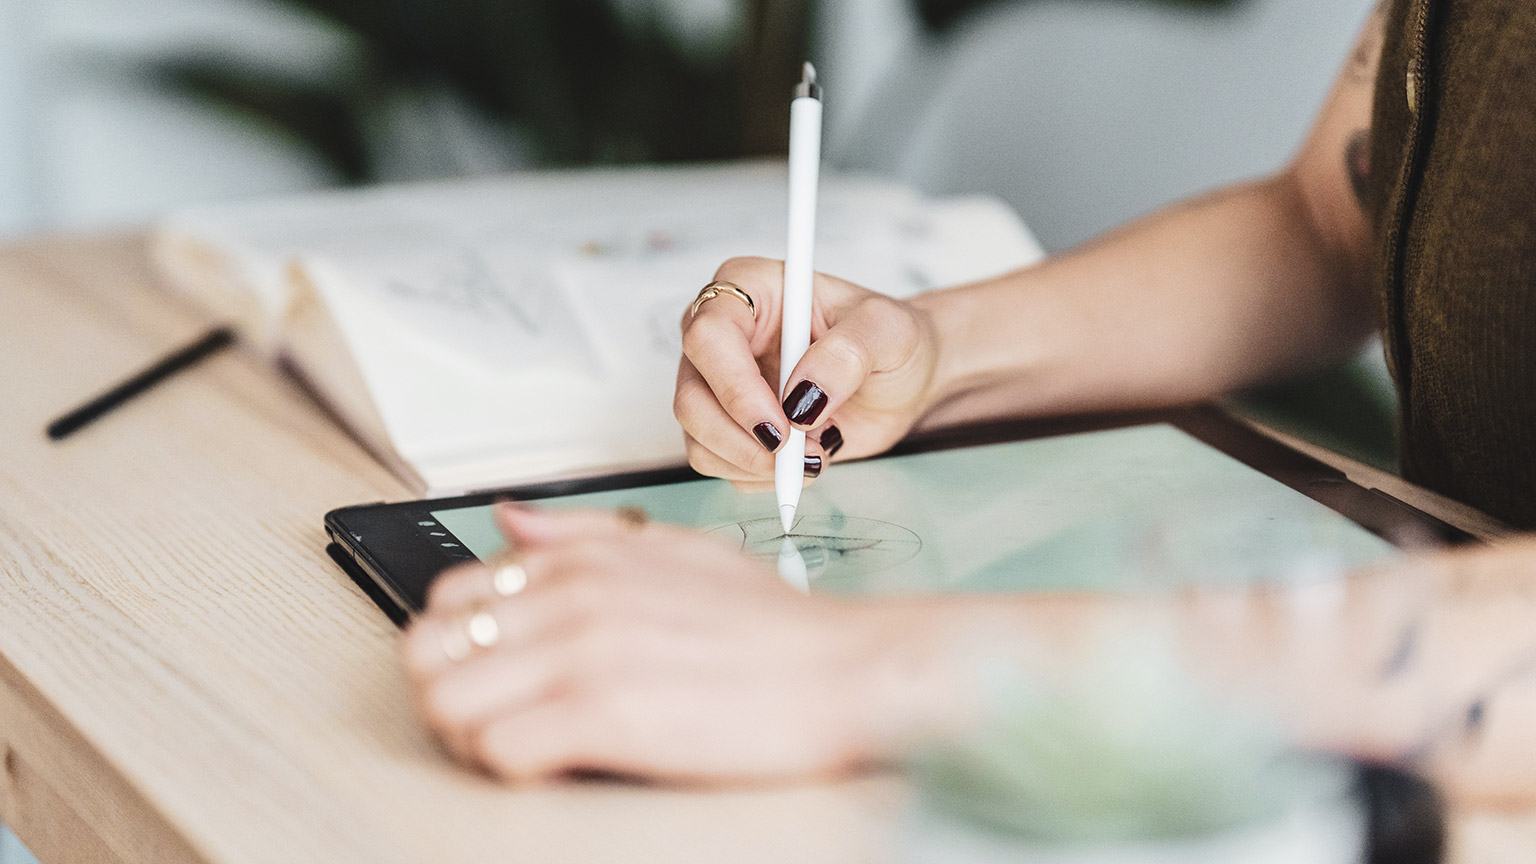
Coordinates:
<point>543,82</point>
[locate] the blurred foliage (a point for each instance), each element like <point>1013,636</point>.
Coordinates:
<point>567,82</point>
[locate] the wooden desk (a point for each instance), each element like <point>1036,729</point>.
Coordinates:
<point>185,677</point>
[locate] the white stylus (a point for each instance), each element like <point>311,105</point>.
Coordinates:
<point>804,168</point>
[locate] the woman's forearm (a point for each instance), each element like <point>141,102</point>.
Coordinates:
<point>1229,290</point>
<point>1430,658</point>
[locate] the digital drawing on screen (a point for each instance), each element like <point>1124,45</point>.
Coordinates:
<point>831,545</point>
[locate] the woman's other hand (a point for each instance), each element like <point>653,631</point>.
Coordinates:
<point>660,653</point>
<point>862,385</point>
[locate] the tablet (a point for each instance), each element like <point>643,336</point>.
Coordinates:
<point>1107,503</point>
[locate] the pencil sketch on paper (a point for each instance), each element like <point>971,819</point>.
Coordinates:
<point>832,545</point>
<point>466,284</point>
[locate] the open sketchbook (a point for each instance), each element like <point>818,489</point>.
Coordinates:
<point>482,333</point>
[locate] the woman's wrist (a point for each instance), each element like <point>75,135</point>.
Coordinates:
<point>993,347</point>
<point>910,687</point>
<point>940,313</point>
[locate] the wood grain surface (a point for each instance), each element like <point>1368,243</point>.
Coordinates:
<point>184,675</point>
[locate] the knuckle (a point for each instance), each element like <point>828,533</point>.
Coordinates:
<point>684,399</point>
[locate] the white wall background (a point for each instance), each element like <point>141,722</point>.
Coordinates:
<point>17,195</point>
<point>86,140</point>
<point>1083,113</point>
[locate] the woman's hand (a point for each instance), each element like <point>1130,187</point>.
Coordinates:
<point>657,652</point>
<point>858,390</point>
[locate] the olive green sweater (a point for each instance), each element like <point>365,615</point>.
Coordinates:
<point>1453,198</point>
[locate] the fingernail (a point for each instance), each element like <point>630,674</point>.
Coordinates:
<point>768,436</point>
<point>832,440</point>
<point>813,466</point>
<point>805,403</point>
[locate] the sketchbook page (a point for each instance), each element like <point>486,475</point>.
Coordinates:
<point>319,355</point>
<point>458,427</point>
<point>428,404</point>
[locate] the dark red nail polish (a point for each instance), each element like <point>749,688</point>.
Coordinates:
<point>805,403</point>
<point>813,466</point>
<point>832,440</point>
<point>768,436</point>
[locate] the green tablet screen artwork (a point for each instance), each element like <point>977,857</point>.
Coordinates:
<point>1141,506</point>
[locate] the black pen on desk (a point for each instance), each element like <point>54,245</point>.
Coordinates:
<point>214,341</point>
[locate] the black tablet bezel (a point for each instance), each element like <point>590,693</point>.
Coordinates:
<point>390,548</point>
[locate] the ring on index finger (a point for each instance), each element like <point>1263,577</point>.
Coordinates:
<point>469,633</point>
<point>718,288</point>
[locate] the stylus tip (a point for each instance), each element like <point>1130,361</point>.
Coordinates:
<point>787,516</point>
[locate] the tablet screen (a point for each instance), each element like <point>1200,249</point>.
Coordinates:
<point>1092,510</point>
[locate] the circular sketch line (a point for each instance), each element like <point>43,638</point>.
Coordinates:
<point>832,546</point>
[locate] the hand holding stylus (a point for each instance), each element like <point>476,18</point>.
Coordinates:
<point>732,421</point>
<point>859,388</point>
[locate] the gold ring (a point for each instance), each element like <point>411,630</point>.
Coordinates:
<point>509,578</point>
<point>462,637</point>
<point>715,289</point>
<point>482,630</point>
<point>633,518</point>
